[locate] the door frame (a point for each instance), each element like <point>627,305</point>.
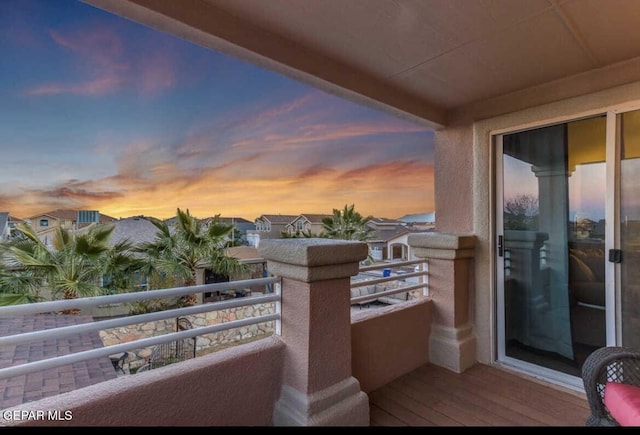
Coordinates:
<point>612,236</point>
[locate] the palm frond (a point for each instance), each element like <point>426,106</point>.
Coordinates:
<point>8,299</point>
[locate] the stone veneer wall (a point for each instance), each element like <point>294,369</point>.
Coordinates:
<point>205,343</point>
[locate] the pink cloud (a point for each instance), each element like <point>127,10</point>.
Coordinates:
<point>100,47</point>
<point>287,108</point>
<point>101,58</point>
<point>98,86</point>
<point>295,124</point>
<point>389,172</point>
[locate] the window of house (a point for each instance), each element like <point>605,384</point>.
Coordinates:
<point>44,222</point>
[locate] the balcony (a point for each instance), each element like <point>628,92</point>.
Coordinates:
<point>410,363</point>
<point>481,396</point>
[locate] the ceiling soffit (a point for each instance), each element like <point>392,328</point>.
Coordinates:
<point>433,61</point>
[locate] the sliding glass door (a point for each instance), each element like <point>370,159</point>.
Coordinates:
<point>629,217</point>
<point>551,202</point>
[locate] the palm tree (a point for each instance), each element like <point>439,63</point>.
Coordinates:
<point>121,267</point>
<point>347,224</point>
<point>18,287</point>
<point>189,248</point>
<point>72,267</point>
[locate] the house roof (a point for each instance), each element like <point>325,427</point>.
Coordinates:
<point>287,219</point>
<point>278,218</point>
<point>15,219</point>
<point>136,229</point>
<point>387,235</point>
<point>437,62</point>
<point>313,218</point>
<point>419,218</point>
<point>34,386</point>
<point>383,222</point>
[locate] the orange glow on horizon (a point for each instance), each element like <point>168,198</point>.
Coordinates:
<point>387,190</point>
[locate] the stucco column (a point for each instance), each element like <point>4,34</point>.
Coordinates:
<point>450,258</point>
<point>454,169</point>
<point>318,387</point>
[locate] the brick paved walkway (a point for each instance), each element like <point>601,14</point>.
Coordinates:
<point>34,386</point>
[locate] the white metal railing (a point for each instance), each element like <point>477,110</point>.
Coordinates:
<point>54,306</point>
<point>365,279</point>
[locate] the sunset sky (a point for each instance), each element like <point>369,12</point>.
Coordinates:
<point>101,113</point>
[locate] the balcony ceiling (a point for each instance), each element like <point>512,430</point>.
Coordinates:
<point>435,61</point>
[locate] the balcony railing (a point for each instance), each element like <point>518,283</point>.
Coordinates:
<point>397,274</point>
<point>60,332</point>
<point>289,383</point>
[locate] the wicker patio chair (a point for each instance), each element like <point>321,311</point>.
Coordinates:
<point>608,364</point>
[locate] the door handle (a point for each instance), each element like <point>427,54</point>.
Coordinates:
<point>500,250</point>
<point>615,255</point>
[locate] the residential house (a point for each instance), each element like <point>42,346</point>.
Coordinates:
<point>389,240</point>
<point>7,225</point>
<point>425,221</point>
<point>269,226</point>
<point>383,245</point>
<point>530,97</point>
<point>306,224</point>
<point>13,221</point>
<point>46,223</point>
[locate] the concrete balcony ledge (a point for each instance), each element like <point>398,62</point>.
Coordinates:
<point>445,246</point>
<point>211,390</point>
<point>313,252</point>
<point>313,259</point>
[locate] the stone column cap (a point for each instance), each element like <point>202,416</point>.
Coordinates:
<point>442,241</point>
<point>313,252</point>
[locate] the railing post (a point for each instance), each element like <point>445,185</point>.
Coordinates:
<point>452,343</point>
<point>318,387</point>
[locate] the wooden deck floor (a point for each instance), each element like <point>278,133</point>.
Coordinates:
<point>481,396</point>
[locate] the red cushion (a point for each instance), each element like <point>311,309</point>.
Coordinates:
<point>623,402</point>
